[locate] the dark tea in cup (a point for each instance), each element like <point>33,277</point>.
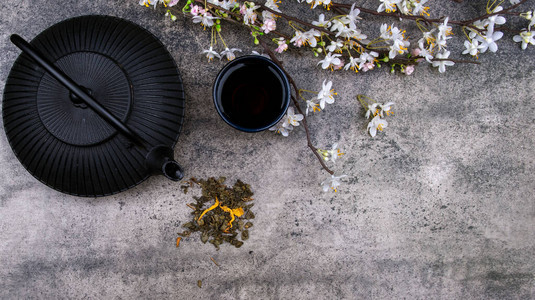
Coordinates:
<point>251,93</point>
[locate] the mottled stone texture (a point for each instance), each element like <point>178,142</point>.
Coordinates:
<point>439,206</point>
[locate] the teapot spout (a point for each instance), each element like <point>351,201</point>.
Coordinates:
<point>160,161</point>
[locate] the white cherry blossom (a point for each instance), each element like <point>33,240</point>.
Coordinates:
<point>386,109</point>
<point>312,106</point>
<point>352,64</point>
<point>292,118</point>
<point>353,16</point>
<point>441,64</point>
<point>330,60</point>
<point>229,53</point>
<point>371,110</point>
<point>526,37</point>
<point>210,54</point>
<point>377,123</point>
<point>322,22</point>
<point>472,48</point>
<point>488,42</point>
<point>388,5</point>
<point>280,129</point>
<point>332,182</point>
<point>326,95</point>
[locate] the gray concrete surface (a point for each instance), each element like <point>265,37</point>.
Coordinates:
<point>440,206</point>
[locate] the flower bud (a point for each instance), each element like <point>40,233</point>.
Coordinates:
<point>527,15</point>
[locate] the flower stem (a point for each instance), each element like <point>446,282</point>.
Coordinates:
<point>365,104</point>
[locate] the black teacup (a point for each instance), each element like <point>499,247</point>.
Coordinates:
<point>251,93</point>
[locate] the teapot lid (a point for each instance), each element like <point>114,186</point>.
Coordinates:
<point>62,142</point>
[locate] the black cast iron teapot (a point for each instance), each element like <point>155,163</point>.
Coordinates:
<point>93,106</point>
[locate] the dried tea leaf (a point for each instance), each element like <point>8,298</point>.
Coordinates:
<point>236,243</point>
<point>204,237</point>
<point>245,235</point>
<point>189,226</point>
<point>249,215</point>
<point>248,225</point>
<point>220,213</point>
<point>185,233</point>
<point>199,283</point>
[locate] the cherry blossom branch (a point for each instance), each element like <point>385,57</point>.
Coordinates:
<point>235,15</point>
<point>397,14</point>
<point>457,61</point>
<point>337,6</point>
<point>296,104</point>
<point>384,52</point>
<point>294,19</point>
<point>504,11</point>
<point>503,28</point>
<point>208,4</point>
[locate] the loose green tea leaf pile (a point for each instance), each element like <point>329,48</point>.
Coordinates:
<point>222,213</point>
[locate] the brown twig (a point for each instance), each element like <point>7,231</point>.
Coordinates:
<point>506,10</point>
<point>466,23</point>
<point>417,59</point>
<point>458,61</point>
<point>503,28</point>
<point>296,104</point>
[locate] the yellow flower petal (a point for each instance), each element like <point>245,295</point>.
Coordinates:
<point>238,212</point>
<point>233,212</point>
<point>216,204</point>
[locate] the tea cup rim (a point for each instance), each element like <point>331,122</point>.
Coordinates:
<point>285,88</point>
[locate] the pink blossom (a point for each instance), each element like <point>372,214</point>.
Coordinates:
<point>368,66</point>
<point>269,25</point>
<point>340,65</point>
<point>408,70</point>
<point>299,39</point>
<point>195,10</point>
<point>282,46</point>
<point>416,51</point>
